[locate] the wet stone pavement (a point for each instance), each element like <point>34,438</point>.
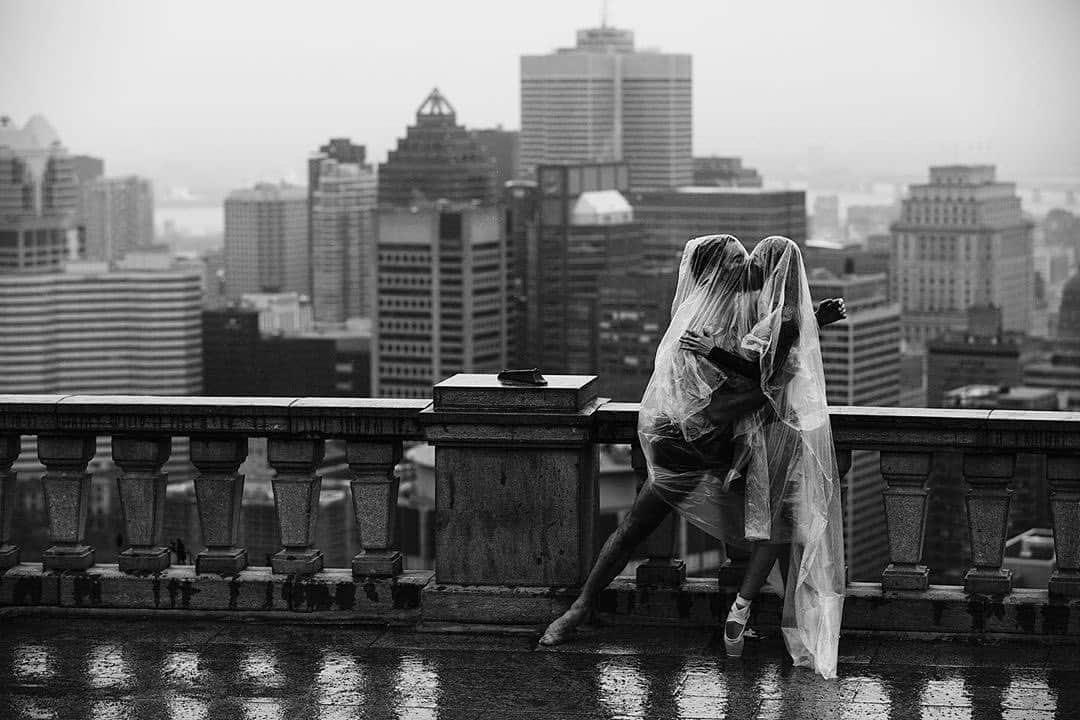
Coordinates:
<point>62,668</point>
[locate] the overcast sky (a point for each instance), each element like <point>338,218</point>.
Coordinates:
<point>226,92</point>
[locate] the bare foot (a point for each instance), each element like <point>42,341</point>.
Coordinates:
<point>563,627</point>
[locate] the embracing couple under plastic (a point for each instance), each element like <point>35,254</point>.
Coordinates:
<point>735,428</point>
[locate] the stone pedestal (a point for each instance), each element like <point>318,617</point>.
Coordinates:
<point>516,481</point>
<point>67,498</point>
<point>988,476</point>
<point>375,494</point>
<point>142,498</point>
<point>905,517</point>
<point>296,498</point>
<point>1063,474</point>
<point>662,566</point>
<point>9,452</point>
<point>219,490</point>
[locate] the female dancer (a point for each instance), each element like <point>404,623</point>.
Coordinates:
<point>687,417</point>
<point>791,500</point>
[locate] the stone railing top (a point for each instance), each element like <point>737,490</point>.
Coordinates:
<point>614,422</point>
<point>185,415</point>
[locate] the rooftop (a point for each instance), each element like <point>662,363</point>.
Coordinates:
<point>134,667</point>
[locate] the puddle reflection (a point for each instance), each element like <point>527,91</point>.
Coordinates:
<point>260,667</point>
<point>1025,697</point>
<point>416,685</point>
<point>32,661</point>
<point>181,667</point>
<point>951,693</point>
<point>621,686</point>
<point>112,710</point>
<point>263,709</point>
<point>339,680</point>
<point>187,708</point>
<point>107,668</point>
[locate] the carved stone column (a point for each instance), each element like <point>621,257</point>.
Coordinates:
<point>905,474</point>
<point>219,491</point>
<point>1063,474</point>
<point>661,567</point>
<point>374,494</point>
<point>66,485</point>
<point>296,497</point>
<point>142,497</point>
<point>9,453</point>
<point>988,514</point>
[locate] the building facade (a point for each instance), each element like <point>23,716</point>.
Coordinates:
<point>671,217</point>
<point>39,197</point>
<point>604,101</point>
<point>438,159</point>
<point>266,241</point>
<point>961,240</point>
<point>861,359</point>
<point>342,242</point>
<point>442,296</point>
<point>117,216</point>
<point>724,172</point>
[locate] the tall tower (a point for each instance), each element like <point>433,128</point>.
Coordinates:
<point>603,101</point>
<point>118,214</point>
<point>38,197</point>
<point>961,240</point>
<point>266,240</point>
<point>861,358</point>
<point>437,160</point>
<point>442,296</point>
<point>342,241</point>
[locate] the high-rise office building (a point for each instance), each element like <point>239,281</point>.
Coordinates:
<point>521,201</point>
<point>87,167</point>
<point>342,241</point>
<point>724,172</point>
<point>671,217</point>
<point>266,241</point>
<point>961,240</point>
<point>502,146</point>
<point>117,216</point>
<point>587,228</point>
<point>38,197</point>
<point>861,358</point>
<point>980,355</point>
<point>441,296</point>
<point>604,101</point>
<point>438,159</point>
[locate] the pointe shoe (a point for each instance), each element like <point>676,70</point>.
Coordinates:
<point>733,645</point>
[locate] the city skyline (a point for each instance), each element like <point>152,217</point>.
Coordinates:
<point>841,91</point>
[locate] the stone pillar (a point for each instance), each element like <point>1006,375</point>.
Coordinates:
<point>988,476</point>
<point>1063,474</point>
<point>219,491</point>
<point>661,567</point>
<point>66,485</point>
<point>296,498</point>
<point>905,474</point>
<point>142,498</point>
<point>375,494</point>
<point>516,481</point>
<point>9,453</point>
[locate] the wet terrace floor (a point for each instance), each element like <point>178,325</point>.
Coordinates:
<point>79,667</point>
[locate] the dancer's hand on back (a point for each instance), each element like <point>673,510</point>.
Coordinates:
<point>695,342</point>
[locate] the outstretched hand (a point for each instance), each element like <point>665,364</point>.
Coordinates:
<point>701,343</point>
<point>830,311</point>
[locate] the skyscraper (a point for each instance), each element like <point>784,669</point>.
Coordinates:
<point>266,248</point>
<point>861,358</point>
<point>961,240</point>
<point>587,228</point>
<point>724,172</point>
<point>671,217</point>
<point>437,160</point>
<point>117,216</point>
<point>602,101</point>
<point>503,146</point>
<point>38,197</point>
<point>342,241</point>
<point>442,294</point>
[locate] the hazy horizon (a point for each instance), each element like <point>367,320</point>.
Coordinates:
<point>225,94</point>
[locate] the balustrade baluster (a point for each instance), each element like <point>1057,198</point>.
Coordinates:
<point>219,491</point>
<point>988,476</point>
<point>905,474</point>
<point>1063,474</point>
<point>66,485</point>
<point>662,566</point>
<point>142,498</point>
<point>374,495</point>
<point>9,453</point>
<point>296,498</point>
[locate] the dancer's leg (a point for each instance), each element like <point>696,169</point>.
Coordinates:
<point>644,517</point>
<point>762,558</point>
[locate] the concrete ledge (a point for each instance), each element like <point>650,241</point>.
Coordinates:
<point>256,589</point>
<point>413,599</point>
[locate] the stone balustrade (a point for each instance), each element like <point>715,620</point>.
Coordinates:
<point>516,496</point>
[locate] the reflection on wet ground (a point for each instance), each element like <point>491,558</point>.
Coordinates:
<point>61,668</point>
